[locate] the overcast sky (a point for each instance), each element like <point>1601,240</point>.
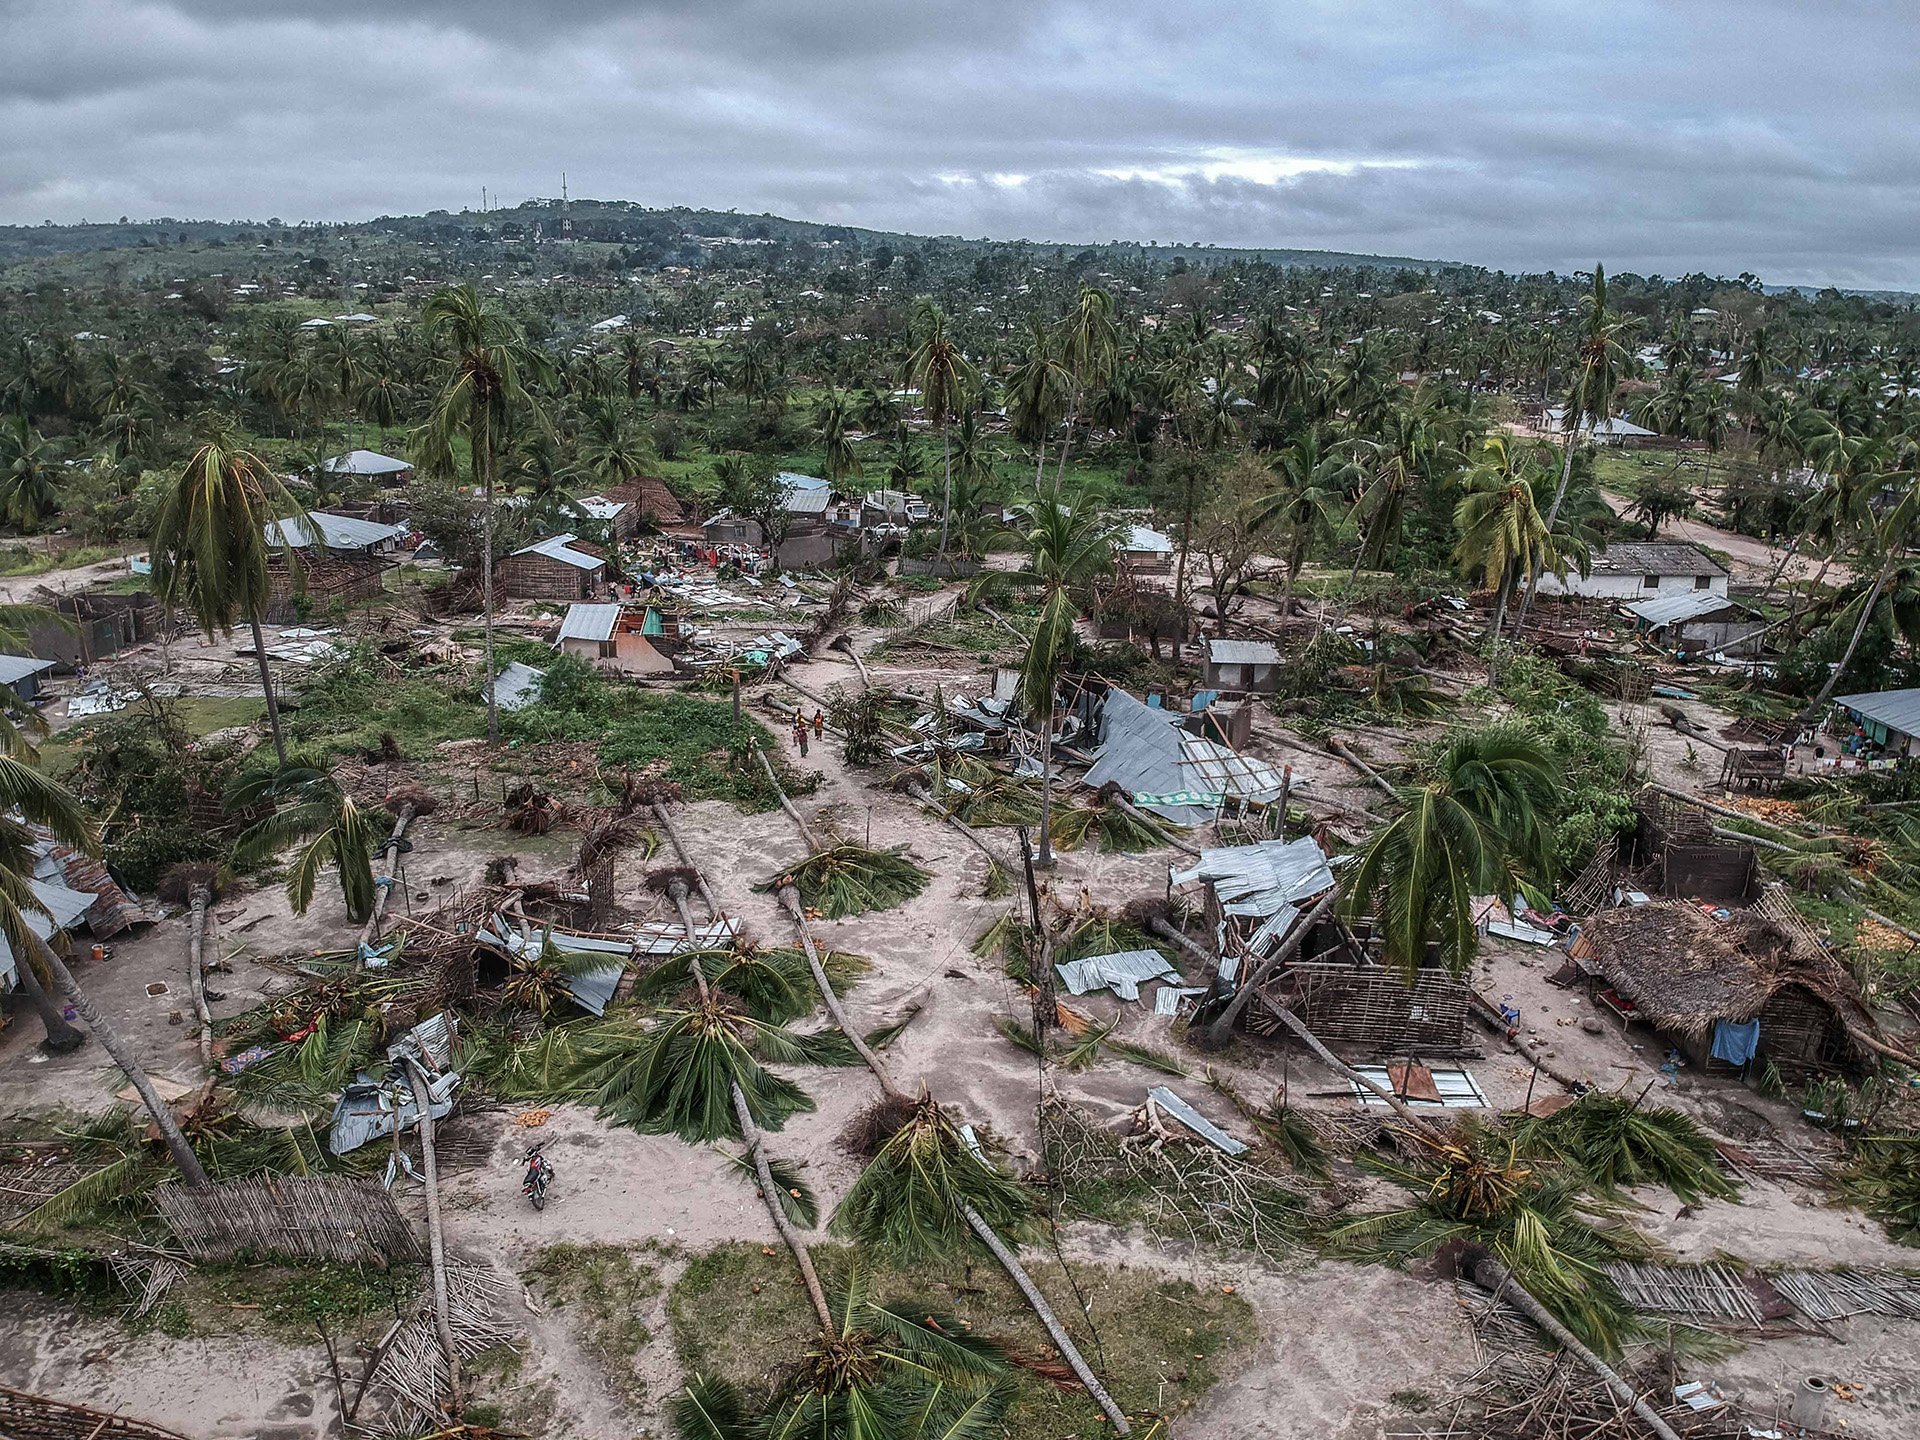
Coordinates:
<point>1777,136</point>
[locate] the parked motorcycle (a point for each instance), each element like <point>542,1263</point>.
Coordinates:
<point>539,1175</point>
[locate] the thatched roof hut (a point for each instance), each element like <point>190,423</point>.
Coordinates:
<point>1690,975</point>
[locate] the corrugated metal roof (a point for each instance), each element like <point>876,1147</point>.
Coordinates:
<point>1647,557</point>
<point>1260,879</point>
<point>588,622</point>
<point>1686,605</point>
<point>808,502</point>
<point>335,532</point>
<point>366,462</point>
<point>15,668</point>
<point>599,507</point>
<point>1195,1121</point>
<point>1122,972</point>
<point>1177,776</point>
<point>1895,709</point>
<point>1457,1089</point>
<point>516,686</point>
<point>1243,652</point>
<point>560,547</point>
<point>1144,541</point>
<point>794,480</point>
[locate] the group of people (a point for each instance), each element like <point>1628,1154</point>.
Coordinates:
<point>801,724</point>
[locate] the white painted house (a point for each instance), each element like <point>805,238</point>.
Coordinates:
<point>1638,569</point>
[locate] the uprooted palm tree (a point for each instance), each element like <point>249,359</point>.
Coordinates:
<point>1477,823</point>
<point>900,1371</point>
<point>212,541</point>
<point>36,800</point>
<point>313,807</point>
<point>1476,1187</point>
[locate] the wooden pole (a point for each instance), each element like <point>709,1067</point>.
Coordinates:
<point>198,899</point>
<point>436,1240</point>
<point>370,932</point>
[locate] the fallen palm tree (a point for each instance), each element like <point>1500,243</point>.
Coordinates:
<point>843,880</point>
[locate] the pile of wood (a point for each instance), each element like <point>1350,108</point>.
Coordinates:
<point>37,1417</point>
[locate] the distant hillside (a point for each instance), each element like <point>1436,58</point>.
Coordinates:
<point>658,234</point>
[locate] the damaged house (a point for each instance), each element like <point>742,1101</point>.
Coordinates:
<point>319,557</point>
<point>1162,767</point>
<point>1726,991</point>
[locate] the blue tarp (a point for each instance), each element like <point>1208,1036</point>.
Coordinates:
<point>1735,1042</point>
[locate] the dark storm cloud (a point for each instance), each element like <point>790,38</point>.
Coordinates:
<point>1725,135</point>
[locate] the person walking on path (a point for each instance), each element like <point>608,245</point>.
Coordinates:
<point>800,735</point>
<point>819,726</point>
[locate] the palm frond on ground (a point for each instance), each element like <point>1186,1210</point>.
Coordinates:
<point>909,1201</point>
<point>844,880</point>
<point>677,1075</point>
<point>1538,1219</point>
<point>1106,825</point>
<point>1617,1143</point>
<point>775,984</point>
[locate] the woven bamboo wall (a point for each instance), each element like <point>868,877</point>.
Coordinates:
<point>317,1217</point>
<point>1375,1006</point>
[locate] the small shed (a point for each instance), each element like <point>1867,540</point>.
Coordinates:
<point>322,556</point>
<point>1727,991</point>
<point>1146,551</point>
<point>653,503</point>
<point>1252,665</point>
<point>560,567</point>
<point>21,674</point>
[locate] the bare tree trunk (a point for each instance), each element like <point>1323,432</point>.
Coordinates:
<point>1867,608</point>
<point>266,689</point>
<point>946,505</point>
<point>806,833</point>
<point>486,575</point>
<point>790,900</point>
<point>686,856</point>
<point>769,1192</point>
<point>436,1238</point>
<point>1489,1274</point>
<point>62,1038</point>
<point>1038,1304</point>
<point>1045,858</point>
<point>1221,1027</point>
<point>198,899</point>
<point>370,932</point>
<point>183,1157</point>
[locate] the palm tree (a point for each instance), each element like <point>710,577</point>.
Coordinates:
<point>314,808</point>
<point>1068,545</point>
<point>834,416</point>
<point>944,377</point>
<point>28,495</point>
<point>211,549</point>
<point>489,365</point>
<point>36,800</point>
<point>1090,349</point>
<point>1036,398</point>
<point>1478,824</point>
<point>1501,532</point>
<point>875,1372</point>
<point>612,447</point>
<point>1598,361</point>
<point>1891,536</point>
<point>1311,480</point>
